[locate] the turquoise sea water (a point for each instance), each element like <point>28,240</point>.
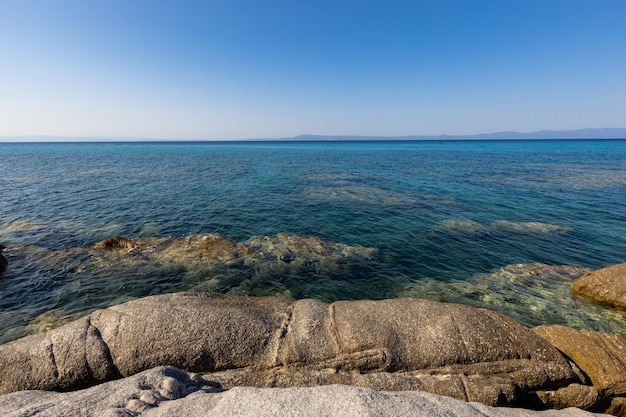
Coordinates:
<point>450,221</point>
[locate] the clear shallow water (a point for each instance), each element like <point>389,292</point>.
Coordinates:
<point>447,219</point>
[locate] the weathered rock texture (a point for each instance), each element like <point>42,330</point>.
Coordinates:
<point>167,391</point>
<point>261,265</point>
<point>601,356</point>
<point>464,352</point>
<point>602,359</point>
<point>284,252</point>
<point>606,286</point>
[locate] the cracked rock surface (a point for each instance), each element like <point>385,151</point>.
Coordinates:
<point>402,344</point>
<point>167,391</point>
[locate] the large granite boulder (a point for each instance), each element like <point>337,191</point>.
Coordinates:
<point>601,356</point>
<point>403,344</point>
<point>167,391</point>
<point>602,359</point>
<point>606,286</point>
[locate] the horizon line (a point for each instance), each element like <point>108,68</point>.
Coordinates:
<point>586,133</point>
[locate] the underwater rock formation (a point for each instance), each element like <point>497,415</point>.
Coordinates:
<point>466,227</point>
<point>533,294</point>
<point>283,251</point>
<point>529,227</point>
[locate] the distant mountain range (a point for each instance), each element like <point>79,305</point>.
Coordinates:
<point>607,133</point>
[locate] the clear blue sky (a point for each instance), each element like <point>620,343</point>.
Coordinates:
<point>254,69</point>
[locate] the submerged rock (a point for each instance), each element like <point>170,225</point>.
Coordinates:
<point>605,286</point>
<point>211,253</point>
<point>529,227</point>
<point>358,194</point>
<point>20,226</point>
<point>466,227</point>
<point>532,294</point>
<point>50,320</point>
<point>403,344</point>
<point>117,269</point>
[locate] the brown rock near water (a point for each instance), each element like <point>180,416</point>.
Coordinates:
<point>211,253</point>
<point>464,352</point>
<point>606,286</point>
<point>116,242</point>
<point>601,356</point>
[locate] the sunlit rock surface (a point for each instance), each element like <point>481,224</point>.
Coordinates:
<point>402,344</point>
<point>605,286</point>
<point>167,391</point>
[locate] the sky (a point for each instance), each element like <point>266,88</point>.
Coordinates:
<point>238,69</point>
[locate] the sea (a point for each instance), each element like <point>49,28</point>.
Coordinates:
<point>501,225</point>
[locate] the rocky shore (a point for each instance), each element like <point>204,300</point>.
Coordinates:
<point>191,353</point>
<point>389,346</point>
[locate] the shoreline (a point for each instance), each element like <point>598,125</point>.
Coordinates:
<point>402,344</point>
<point>290,266</point>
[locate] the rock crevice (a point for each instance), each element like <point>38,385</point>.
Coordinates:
<point>388,345</point>
<point>391,345</point>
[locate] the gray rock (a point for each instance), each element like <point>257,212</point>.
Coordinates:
<point>464,352</point>
<point>339,401</point>
<point>575,395</point>
<point>167,391</point>
<point>125,397</point>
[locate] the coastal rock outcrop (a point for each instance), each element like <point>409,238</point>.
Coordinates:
<point>602,359</point>
<point>601,356</point>
<point>167,391</point>
<point>605,286</point>
<point>403,344</point>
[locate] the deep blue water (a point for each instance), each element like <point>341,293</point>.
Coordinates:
<point>445,217</point>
